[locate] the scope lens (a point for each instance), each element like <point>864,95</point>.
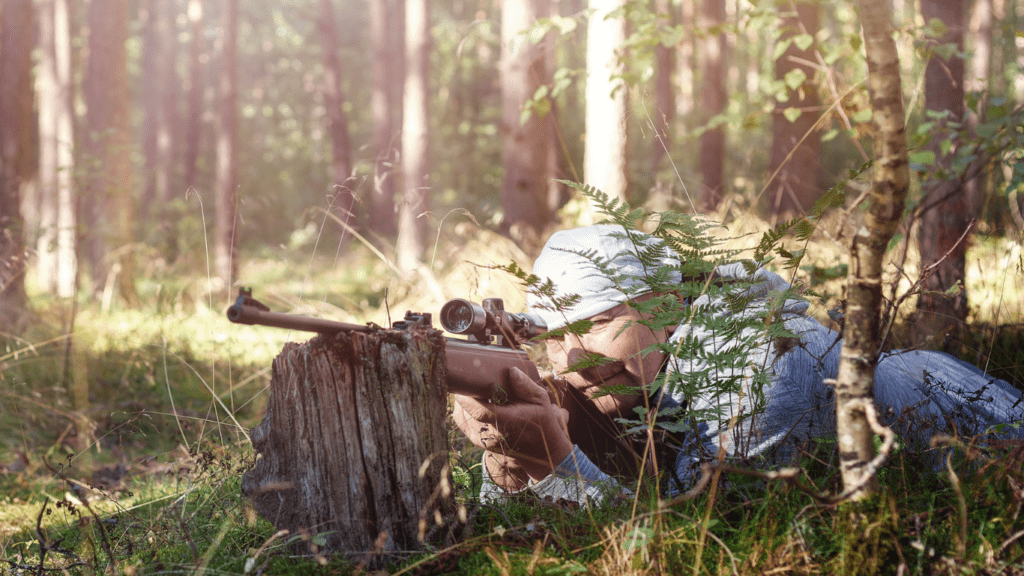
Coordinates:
<point>457,317</point>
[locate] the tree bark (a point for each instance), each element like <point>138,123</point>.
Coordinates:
<point>890,180</point>
<point>795,187</point>
<point>412,227</point>
<point>194,115</point>
<point>109,196</point>
<point>225,233</point>
<point>387,35</point>
<point>354,445</point>
<point>57,243</point>
<point>337,121</point>
<point>151,62</point>
<point>604,153</point>
<point>524,145</point>
<point>942,226</point>
<point>168,134</point>
<point>665,97</point>
<point>714,100</point>
<point>16,43</point>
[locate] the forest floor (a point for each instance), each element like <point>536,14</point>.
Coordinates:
<point>121,447</point>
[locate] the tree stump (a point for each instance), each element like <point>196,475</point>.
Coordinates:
<point>353,449</point>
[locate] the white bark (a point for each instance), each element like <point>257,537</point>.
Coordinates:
<point>604,158</point>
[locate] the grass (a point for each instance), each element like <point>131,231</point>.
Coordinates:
<point>124,454</point>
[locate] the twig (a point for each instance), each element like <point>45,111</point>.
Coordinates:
<point>83,502</point>
<point>925,274</point>
<point>961,545</point>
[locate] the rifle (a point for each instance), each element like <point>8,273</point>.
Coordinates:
<point>478,366</point>
<point>493,347</point>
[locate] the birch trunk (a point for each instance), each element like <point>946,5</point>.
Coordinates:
<point>890,180</point>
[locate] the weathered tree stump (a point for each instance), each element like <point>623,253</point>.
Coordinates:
<point>353,449</point>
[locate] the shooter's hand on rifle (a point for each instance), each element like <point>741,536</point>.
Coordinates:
<point>529,428</point>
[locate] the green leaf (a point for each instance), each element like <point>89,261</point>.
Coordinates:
<point>803,41</point>
<point>830,135</point>
<point>936,28</point>
<point>856,42</point>
<point>780,47</point>
<point>863,116</point>
<point>987,130</point>
<point>920,160</point>
<point>795,78</point>
<point>791,113</point>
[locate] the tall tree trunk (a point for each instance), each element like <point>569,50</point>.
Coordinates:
<point>976,79</point>
<point>714,100</point>
<point>387,35</point>
<point>665,97</point>
<point>168,134</point>
<point>687,61</point>
<point>109,168</point>
<point>337,122</point>
<point>890,180</point>
<point>16,43</point>
<point>152,76</point>
<point>795,187</point>
<point>225,236</point>
<point>524,145</point>
<point>194,116</point>
<point>57,245</point>
<point>604,154</point>
<point>412,228</point>
<point>949,217</point>
<point>48,87</point>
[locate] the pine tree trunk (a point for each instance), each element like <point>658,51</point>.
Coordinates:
<point>890,180</point>
<point>225,237</point>
<point>337,120</point>
<point>387,35</point>
<point>194,115</point>
<point>796,143</point>
<point>56,258</point>
<point>354,446</point>
<point>524,145</point>
<point>714,100</point>
<point>412,227</point>
<point>946,221</point>
<point>604,154</point>
<point>16,39</point>
<point>110,190</point>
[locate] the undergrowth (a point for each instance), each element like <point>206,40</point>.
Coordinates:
<point>137,471</point>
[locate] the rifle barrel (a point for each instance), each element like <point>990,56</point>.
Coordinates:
<point>241,314</point>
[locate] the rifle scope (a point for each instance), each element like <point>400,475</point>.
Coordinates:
<point>460,316</point>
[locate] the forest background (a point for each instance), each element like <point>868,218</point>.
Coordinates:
<point>354,158</point>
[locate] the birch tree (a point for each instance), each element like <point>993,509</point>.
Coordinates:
<point>890,180</point>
